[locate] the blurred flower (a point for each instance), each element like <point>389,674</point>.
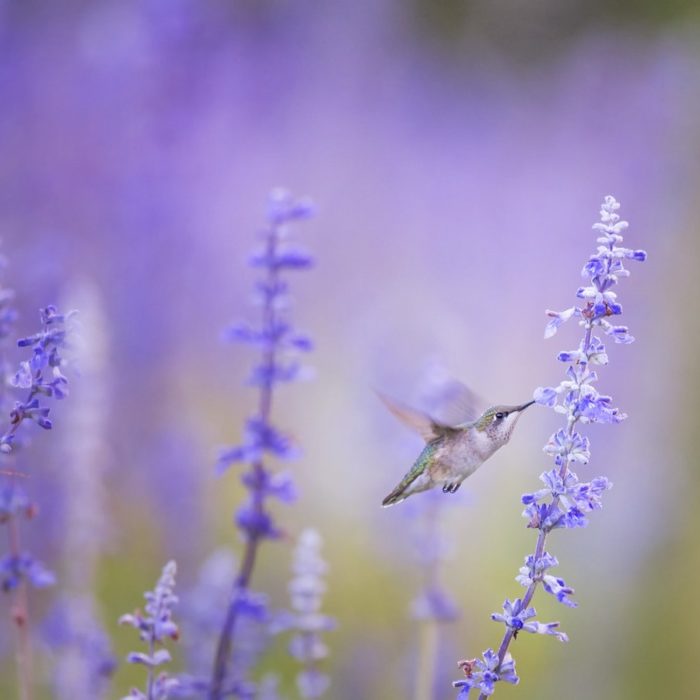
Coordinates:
<point>85,661</point>
<point>268,688</point>
<point>306,590</point>
<point>200,609</point>
<point>565,500</point>
<point>14,501</point>
<point>40,376</point>
<point>17,567</point>
<point>433,602</point>
<point>174,480</point>
<point>201,614</point>
<point>278,343</point>
<point>155,626</point>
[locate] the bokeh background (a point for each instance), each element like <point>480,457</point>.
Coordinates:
<point>457,152</point>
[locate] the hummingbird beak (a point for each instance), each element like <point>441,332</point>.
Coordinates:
<point>523,406</point>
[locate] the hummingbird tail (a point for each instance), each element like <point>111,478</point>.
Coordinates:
<point>396,496</point>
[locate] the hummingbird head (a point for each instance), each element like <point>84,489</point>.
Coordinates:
<point>498,422</point>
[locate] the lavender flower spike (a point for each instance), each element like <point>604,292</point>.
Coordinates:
<point>279,344</point>
<point>565,501</point>
<point>37,378</point>
<point>155,626</point>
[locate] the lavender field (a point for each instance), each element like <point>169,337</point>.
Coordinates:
<point>267,215</point>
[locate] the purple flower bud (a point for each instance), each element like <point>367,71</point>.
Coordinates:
<point>256,523</point>
<point>15,567</point>
<point>545,396</point>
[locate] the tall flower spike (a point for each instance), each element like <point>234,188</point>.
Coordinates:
<point>279,345</point>
<point>155,627</point>
<point>40,377</point>
<point>565,500</point>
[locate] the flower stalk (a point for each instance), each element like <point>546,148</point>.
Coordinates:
<point>565,500</point>
<point>276,339</point>
<point>41,376</point>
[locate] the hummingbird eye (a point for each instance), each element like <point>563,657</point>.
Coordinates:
<point>500,415</point>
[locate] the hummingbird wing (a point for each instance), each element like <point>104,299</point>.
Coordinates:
<point>454,403</point>
<point>421,423</point>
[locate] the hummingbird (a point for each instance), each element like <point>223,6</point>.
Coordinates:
<point>452,451</point>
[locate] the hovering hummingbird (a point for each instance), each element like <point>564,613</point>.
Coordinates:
<point>454,450</point>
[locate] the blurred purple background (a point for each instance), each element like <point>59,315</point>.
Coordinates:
<point>457,159</point>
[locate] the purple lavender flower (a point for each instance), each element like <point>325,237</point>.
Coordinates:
<point>279,344</point>
<point>565,500</point>
<point>534,571</point>
<point>41,375</point>
<point>515,616</point>
<point>485,674</point>
<point>155,626</point>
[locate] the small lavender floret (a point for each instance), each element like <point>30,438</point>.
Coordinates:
<point>15,567</point>
<point>515,615</point>
<point>484,675</point>
<point>535,571</point>
<point>256,523</point>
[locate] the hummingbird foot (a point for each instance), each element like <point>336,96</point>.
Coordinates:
<point>451,488</point>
